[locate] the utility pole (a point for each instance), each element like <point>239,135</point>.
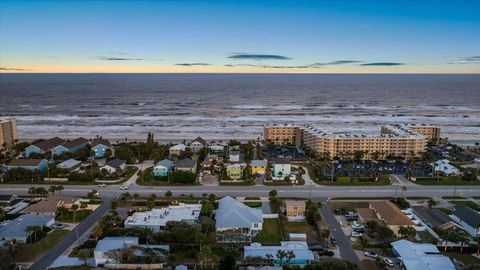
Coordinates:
<point>454,191</point>
<point>333,168</point>
<point>310,195</point>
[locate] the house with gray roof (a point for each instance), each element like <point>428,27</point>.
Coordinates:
<point>420,256</point>
<point>303,255</point>
<point>186,164</point>
<point>197,144</point>
<point>69,164</point>
<point>434,218</point>
<point>468,218</point>
<point>17,228</point>
<point>112,165</point>
<point>29,164</point>
<point>72,146</point>
<point>100,146</point>
<point>235,222</point>
<point>43,146</point>
<point>162,168</point>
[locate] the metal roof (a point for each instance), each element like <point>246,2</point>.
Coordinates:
<point>112,243</point>
<point>234,214</point>
<point>165,163</point>
<point>16,228</point>
<point>467,215</point>
<point>419,256</point>
<point>185,163</point>
<point>114,163</point>
<point>299,248</point>
<point>69,163</point>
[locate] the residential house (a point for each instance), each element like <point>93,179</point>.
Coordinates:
<point>434,218</point>
<point>420,256</point>
<point>49,205</point>
<point>177,150</point>
<point>303,255</point>
<point>393,217</point>
<point>234,171</point>
<point>100,146</point>
<point>43,146</point>
<point>111,244</point>
<point>29,164</point>
<point>157,218</point>
<point>187,164</point>
<point>281,168</point>
<point>444,167</point>
<point>294,208</point>
<point>235,222</point>
<point>69,164</point>
<point>468,218</point>
<point>234,156</point>
<point>163,167</point>
<point>217,149</point>
<point>259,166</point>
<point>212,161</point>
<point>72,146</point>
<point>114,164</point>
<point>17,228</point>
<point>7,199</point>
<point>197,144</point>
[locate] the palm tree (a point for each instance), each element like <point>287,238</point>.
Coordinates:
<point>168,195</point>
<point>462,237</point>
<point>290,255</point>
<point>269,259</point>
<point>281,255</point>
<point>60,188</point>
<point>32,191</point>
<point>97,232</point>
<point>33,229</point>
<point>52,189</point>
<point>74,208</point>
<point>135,196</point>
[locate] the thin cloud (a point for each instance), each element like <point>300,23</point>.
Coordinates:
<point>272,66</point>
<point>118,53</point>
<point>107,58</point>
<point>343,62</point>
<point>247,56</point>
<point>467,60</point>
<point>193,64</point>
<point>13,69</point>
<point>385,64</point>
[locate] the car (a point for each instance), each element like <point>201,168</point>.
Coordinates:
<point>123,187</point>
<point>356,234</point>
<point>102,185</point>
<point>58,226</point>
<point>388,262</point>
<point>359,230</point>
<point>326,252</point>
<point>333,240</point>
<point>370,254</point>
<point>316,248</point>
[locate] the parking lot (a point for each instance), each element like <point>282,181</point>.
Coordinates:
<point>362,168</point>
<point>290,152</point>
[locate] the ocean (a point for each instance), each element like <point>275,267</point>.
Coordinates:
<point>225,106</point>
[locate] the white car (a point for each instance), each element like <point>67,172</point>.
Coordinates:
<point>356,234</point>
<point>102,185</point>
<point>123,188</point>
<point>370,254</point>
<point>388,262</point>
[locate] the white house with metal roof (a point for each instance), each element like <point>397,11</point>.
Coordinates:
<point>177,149</point>
<point>235,222</point>
<point>69,164</point>
<point>303,255</point>
<point>420,256</point>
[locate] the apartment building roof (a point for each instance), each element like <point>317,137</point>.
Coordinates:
<point>391,214</point>
<point>18,226</point>
<point>160,216</point>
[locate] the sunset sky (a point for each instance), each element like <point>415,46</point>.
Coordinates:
<point>240,36</point>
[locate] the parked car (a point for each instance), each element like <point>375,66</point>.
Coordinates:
<point>356,234</point>
<point>325,252</point>
<point>333,240</point>
<point>370,254</point>
<point>316,248</point>
<point>102,185</point>
<point>388,262</point>
<point>58,226</point>
<point>123,187</point>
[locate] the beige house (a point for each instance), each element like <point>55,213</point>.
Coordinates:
<point>177,150</point>
<point>235,171</point>
<point>49,205</point>
<point>389,213</point>
<point>294,208</point>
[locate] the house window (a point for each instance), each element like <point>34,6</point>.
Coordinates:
<point>255,225</point>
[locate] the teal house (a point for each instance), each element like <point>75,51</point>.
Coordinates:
<point>70,146</point>
<point>29,164</point>
<point>43,146</point>
<point>100,146</point>
<point>163,167</point>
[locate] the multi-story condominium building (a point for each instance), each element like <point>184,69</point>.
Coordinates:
<point>394,140</point>
<point>8,133</point>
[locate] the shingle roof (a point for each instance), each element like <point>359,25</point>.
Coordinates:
<point>391,213</point>
<point>50,143</point>
<point>432,215</point>
<point>74,143</point>
<point>25,162</point>
<point>200,140</point>
<point>234,214</point>
<point>16,227</point>
<point>165,163</point>
<point>100,140</point>
<point>185,163</point>
<point>114,163</point>
<point>49,204</point>
<point>467,215</point>
<point>282,161</point>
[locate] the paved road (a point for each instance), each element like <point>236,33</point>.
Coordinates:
<point>70,239</point>
<point>401,180</point>
<point>317,191</point>
<point>346,250</point>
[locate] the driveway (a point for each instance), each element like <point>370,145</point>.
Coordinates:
<point>400,180</point>
<point>210,180</point>
<point>346,250</point>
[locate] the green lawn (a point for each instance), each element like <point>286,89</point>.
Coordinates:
<point>470,204</point>
<point>253,204</point>
<point>356,181</point>
<point>271,234</point>
<point>467,259</point>
<point>446,180</point>
<point>299,227</point>
<point>79,216</point>
<point>312,172</point>
<point>30,252</point>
